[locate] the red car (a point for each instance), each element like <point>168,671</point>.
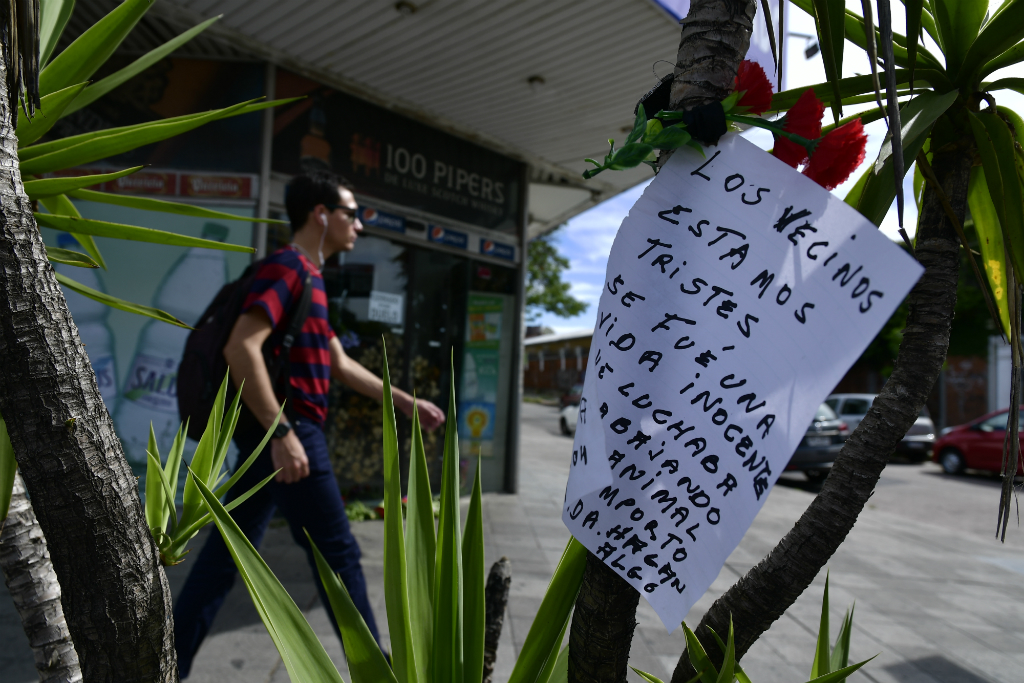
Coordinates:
<point>977,445</point>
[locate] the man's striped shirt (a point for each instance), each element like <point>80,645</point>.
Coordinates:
<point>277,290</point>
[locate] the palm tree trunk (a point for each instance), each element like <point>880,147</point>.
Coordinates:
<point>768,589</point>
<point>114,592</point>
<point>715,38</point>
<point>33,586</point>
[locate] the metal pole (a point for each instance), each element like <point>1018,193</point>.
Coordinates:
<point>259,236</point>
<point>512,452</point>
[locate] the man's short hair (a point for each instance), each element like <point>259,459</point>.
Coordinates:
<point>309,189</point>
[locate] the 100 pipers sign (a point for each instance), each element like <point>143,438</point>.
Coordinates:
<point>394,158</point>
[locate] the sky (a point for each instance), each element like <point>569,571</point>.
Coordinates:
<point>587,239</point>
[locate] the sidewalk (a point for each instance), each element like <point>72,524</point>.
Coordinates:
<point>941,604</point>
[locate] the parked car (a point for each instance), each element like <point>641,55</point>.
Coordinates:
<point>820,445</point>
<point>567,418</point>
<point>977,445</point>
<point>916,444</point>
<point>571,397</point>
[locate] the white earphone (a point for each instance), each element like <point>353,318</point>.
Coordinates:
<point>323,220</point>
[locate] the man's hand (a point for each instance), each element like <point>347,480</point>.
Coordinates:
<point>431,417</point>
<point>288,455</point>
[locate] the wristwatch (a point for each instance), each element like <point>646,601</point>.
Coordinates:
<point>281,430</point>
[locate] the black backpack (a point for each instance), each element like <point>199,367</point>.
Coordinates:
<point>203,366</point>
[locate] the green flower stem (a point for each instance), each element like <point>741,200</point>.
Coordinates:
<point>774,128</point>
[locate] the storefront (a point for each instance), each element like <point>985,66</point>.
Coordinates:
<point>435,279</point>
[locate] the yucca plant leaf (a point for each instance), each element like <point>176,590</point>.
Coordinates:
<point>51,187</point>
<point>738,672</point>
<point>990,237</point>
<point>126,138</point>
<point>918,117</point>
<point>1014,55</point>
<point>767,14</point>
<point>303,655</point>
<point>8,468</point>
<point>841,675</point>
<point>915,8</point>
<point>871,48</point>
<point>119,304</point>
<point>447,661</point>
<point>101,88</point>
<point>173,464</point>
<point>893,109</point>
<point>420,550</point>
<point>650,678</point>
<point>87,226</point>
<point>826,13</point>
<point>1015,84</point>
<point>51,108</point>
<point>105,143</point>
<point>995,147</point>
<point>958,22</point>
<point>69,258</point>
<point>80,60</point>
<point>158,487</point>
<point>822,658</point>
<point>164,206</point>
<point>53,17</point>
<point>1002,32</point>
<point>867,117</point>
<point>396,587</point>
<point>62,206</point>
<point>366,663</point>
<point>544,638</point>
<point>240,470</point>
<point>551,673</point>
<point>848,87</point>
<point>699,658</point>
<point>841,652</point>
<point>202,459</point>
<point>728,670</point>
<point>474,580</point>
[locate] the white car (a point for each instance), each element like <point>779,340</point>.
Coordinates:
<point>916,444</point>
<point>567,417</point>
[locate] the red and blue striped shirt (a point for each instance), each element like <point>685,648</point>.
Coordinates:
<point>277,289</point>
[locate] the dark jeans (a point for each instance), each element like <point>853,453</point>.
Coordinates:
<point>314,503</point>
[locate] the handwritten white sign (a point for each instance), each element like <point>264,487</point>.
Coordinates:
<point>737,295</point>
<point>386,308</point>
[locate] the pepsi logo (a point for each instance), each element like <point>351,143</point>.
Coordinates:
<point>369,215</point>
<point>488,246</point>
<point>436,232</point>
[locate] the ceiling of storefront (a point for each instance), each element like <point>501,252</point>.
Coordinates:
<point>545,81</point>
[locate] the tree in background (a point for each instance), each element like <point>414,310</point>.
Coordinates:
<point>546,292</point>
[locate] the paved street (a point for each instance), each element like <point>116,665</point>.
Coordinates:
<point>935,593</point>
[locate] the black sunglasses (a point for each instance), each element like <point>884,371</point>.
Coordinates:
<point>349,211</point>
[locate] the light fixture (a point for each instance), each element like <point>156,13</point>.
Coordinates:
<point>405,8</point>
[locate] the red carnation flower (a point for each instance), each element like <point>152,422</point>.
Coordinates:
<point>757,90</point>
<point>837,155</point>
<point>804,119</point>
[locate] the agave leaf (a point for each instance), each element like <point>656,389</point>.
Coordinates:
<point>474,578</point>
<point>420,550</point>
<point>163,506</point>
<point>544,639</point>
<point>729,658</point>
<point>303,655</point>
<point>51,187</point>
<point>173,464</point>
<point>69,258</point>
<point>699,658</point>
<point>202,459</point>
<point>551,672</point>
<point>740,674</point>
<point>80,60</point>
<point>8,468</point>
<point>224,440</point>
<point>62,206</point>
<point>51,108</point>
<point>396,587</point>
<point>366,662</point>
<point>87,226</point>
<point>841,652</point>
<point>447,660</point>
<point>101,88</point>
<point>841,675</point>
<point>233,479</point>
<point>53,17</point>
<point>119,304</point>
<point>820,667</point>
<point>163,206</point>
<point>650,678</point>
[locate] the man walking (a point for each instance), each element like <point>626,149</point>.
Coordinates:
<point>324,218</point>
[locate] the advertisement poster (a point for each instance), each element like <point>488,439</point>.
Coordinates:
<point>480,363</point>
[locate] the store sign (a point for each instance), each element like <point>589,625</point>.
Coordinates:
<point>174,184</point>
<point>448,237</point>
<point>217,186</point>
<point>497,249</point>
<point>378,219</point>
<point>395,158</point>
<point>386,308</point>
<point>738,292</point>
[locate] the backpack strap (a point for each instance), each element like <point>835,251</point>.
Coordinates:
<point>283,359</point>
